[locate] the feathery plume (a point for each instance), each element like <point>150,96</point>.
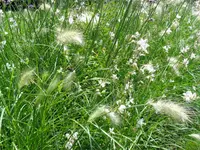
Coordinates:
<point>114,117</point>
<point>68,80</point>
<point>69,36</point>
<point>26,78</point>
<point>105,110</point>
<point>196,136</point>
<point>100,111</point>
<point>171,109</point>
<point>45,6</point>
<point>53,85</point>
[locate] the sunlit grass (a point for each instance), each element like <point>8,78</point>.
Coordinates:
<point>114,75</point>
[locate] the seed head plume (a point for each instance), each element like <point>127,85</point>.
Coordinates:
<point>68,80</point>
<point>45,6</point>
<point>69,37</point>
<point>174,110</point>
<point>53,85</point>
<point>105,110</point>
<point>196,136</point>
<point>27,78</point>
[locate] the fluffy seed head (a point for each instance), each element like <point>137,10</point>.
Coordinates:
<point>69,37</point>
<point>68,80</point>
<point>171,109</point>
<point>53,85</point>
<point>45,6</point>
<point>196,136</point>
<point>105,110</point>
<point>26,78</point>
<point>100,111</point>
<point>114,117</point>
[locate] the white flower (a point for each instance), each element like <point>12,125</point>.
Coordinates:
<point>71,139</point>
<point>111,130</point>
<point>173,62</point>
<point>60,70</point>
<point>148,67</point>
<point>192,56</point>
<point>175,24</point>
<point>196,136</point>
<point>86,17</point>
<point>185,62</point>
<point>57,11</point>
<point>137,35</point>
<point>114,77</point>
<point>103,83</point>
<point>122,108</point>
<point>143,45</point>
<point>128,86</point>
<point>140,123</point>
<point>65,48</point>
<point>3,43</point>
<point>10,67</point>
<point>112,35</point>
<point>171,109</point>
<point>11,19</point>
<point>71,20</point>
<point>178,16</point>
<point>62,18</point>
<point>45,6</point>
<point>185,49</point>
<point>189,96</point>
<point>166,48</point>
<point>168,31</point>
<point>69,36</point>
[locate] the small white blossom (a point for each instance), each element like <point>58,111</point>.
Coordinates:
<point>71,140</point>
<point>189,96</point>
<point>112,35</point>
<point>143,45</point>
<point>185,62</point>
<point>103,83</point>
<point>111,130</point>
<point>10,67</point>
<point>175,24</point>
<point>71,20</point>
<point>60,70</point>
<point>128,86</point>
<point>173,62</point>
<point>185,49</point>
<point>192,56</point>
<point>62,18</point>
<point>166,48</point>
<point>114,77</point>
<point>148,67</point>
<point>122,108</point>
<point>86,17</point>
<point>178,16</point>
<point>140,123</point>
<point>168,31</point>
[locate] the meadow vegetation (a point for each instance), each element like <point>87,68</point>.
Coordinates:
<point>101,75</point>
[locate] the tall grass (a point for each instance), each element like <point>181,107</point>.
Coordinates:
<point>106,75</point>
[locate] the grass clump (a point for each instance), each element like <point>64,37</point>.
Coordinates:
<point>92,68</point>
